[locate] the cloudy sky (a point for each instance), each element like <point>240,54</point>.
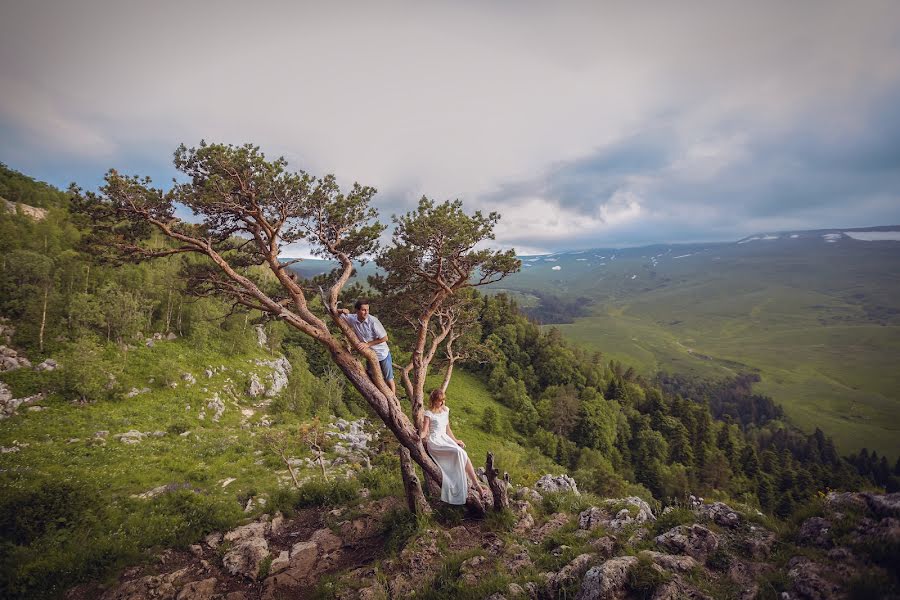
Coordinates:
<point>584,124</point>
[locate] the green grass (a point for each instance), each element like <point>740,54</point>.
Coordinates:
<point>814,320</point>
<point>89,522</point>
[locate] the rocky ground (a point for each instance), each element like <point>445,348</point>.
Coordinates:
<point>616,549</point>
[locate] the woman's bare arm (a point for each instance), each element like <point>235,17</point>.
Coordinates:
<point>453,437</point>
<point>426,426</point>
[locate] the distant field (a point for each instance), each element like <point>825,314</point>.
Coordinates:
<point>819,321</point>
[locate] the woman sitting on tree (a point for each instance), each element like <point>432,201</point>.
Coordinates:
<point>447,451</point>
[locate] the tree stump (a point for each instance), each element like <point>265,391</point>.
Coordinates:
<point>499,487</point>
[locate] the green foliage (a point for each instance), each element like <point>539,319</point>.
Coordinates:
<point>489,420</point>
<point>398,527</point>
<point>644,577</point>
<point>89,371</point>
<point>321,493</point>
<point>673,518</point>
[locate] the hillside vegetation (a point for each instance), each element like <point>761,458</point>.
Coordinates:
<point>815,314</point>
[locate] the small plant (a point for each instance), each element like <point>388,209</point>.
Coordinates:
<point>644,578</point>
<point>503,520</point>
<point>326,493</point>
<point>719,560</point>
<point>673,518</point>
<point>264,567</point>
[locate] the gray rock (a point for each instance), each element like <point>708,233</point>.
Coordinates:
<point>217,406</point>
<point>558,483</point>
<point>256,388</point>
<point>815,531</point>
<point>694,540</point>
<point>189,378</point>
<point>130,437</point>
<point>198,590</point>
<point>47,365</point>
<point>807,580</point>
<point>720,514</point>
<point>670,562</point>
<point>636,511</point>
<point>556,582</point>
<point>606,581</point>
<point>246,557</point>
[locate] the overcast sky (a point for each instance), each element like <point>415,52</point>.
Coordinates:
<point>584,124</point>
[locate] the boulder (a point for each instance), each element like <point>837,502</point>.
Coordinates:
<point>130,437</point>
<point>720,514</point>
<point>198,590</point>
<point>188,378</point>
<point>151,586</point>
<point>553,524</point>
<point>256,388</point>
<point>47,365</point>
<point>694,540</point>
<point>217,406</point>
<point>556,483</point>
<point>616,514</point>
<point>325,540</point>
<point>671,562</point>
<point>807,581</point>
<point>557,582</point>
<point>246,557</point>
<point>815,531</point>
<point>607,581</point>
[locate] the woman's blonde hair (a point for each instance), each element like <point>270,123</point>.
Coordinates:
<point>436,396</point>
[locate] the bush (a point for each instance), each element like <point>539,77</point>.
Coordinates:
<point>673,518</point>
<point>644,578</point>
<point>326,493</point>
<point>27,515</point>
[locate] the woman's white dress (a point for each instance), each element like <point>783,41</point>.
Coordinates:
<point>449,457</point>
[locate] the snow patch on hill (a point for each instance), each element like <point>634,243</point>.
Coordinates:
<point>874,236</point>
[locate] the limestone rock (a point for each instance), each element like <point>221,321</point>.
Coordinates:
<point>47,365</point>
<point>325,540</point>
<point>557,582</point>
<point>256,388</point>
<point>558,483</point>
<point>216,405</point>
<point>607,581</point>
<point>151,586</point>
<point>634,511</point>
<point>815,531</point>
<point>670,562</point>
<point>808,582</point>
<point>246,557</point>
<point>720,514</point>
<point>130,437</point>
<point>694,540</point>
<point>198,590</point>
<point>554,523</point>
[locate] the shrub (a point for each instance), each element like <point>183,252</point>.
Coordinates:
<point>673,518</point>
<point>326,493</point>
<point>644,578</point>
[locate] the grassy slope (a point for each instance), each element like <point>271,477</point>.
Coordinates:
<point>59,440</point>
<point>803,313</point>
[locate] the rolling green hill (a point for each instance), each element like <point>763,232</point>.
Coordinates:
<point>816,314</point>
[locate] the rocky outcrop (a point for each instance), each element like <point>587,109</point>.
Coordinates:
<point>607,581</point>
<point>694,540</point>
<point>10,359</point>
<point>249,549</point>
<point>556,483</point>
<point>616,514</point>
<point>32,212</point>
<point>720,514</point>
<point>9,405</point>
<point>558,582</point>
<point>807,580</point>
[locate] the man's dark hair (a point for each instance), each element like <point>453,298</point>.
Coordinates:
<point>359,303</point>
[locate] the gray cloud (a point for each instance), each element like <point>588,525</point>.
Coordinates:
<point>584,123</point>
